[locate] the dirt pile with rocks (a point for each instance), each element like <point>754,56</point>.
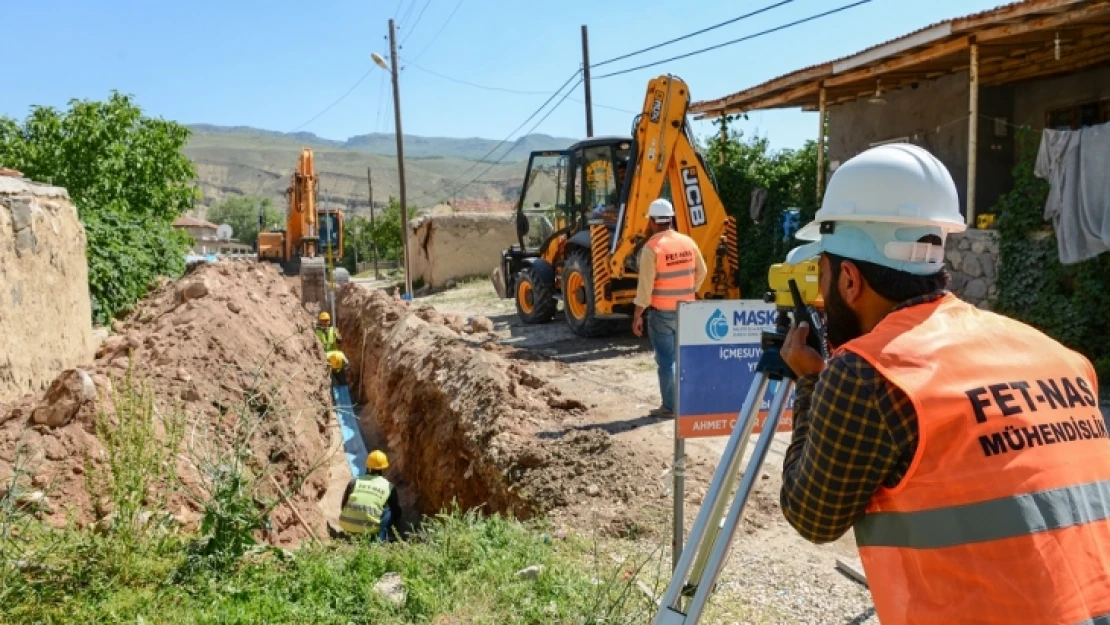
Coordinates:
<point>229,348</point>
<point>464,419</point>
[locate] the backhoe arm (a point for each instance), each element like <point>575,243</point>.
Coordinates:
<point>663,151</point>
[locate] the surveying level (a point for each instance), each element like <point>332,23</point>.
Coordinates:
<point>696,572</point>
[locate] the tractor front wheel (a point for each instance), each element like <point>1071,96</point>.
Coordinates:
<point>535,300</point>
<point>578,297</point>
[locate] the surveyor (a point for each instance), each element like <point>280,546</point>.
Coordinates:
<point>370,503</point>
<point>672,269</point>
<point>327,333</point>
<point>964,448</point>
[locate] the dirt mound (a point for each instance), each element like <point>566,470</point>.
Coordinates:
<point>228,347</point>
<point>465,421</point>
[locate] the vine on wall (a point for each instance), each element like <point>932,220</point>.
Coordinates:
<point>1068,302</point>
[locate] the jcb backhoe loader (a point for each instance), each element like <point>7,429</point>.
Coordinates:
<point>312,239</point>
<point>582,219</point>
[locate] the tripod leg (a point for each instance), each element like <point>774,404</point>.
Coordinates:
<point>713,505</point>
<point>724,541</point>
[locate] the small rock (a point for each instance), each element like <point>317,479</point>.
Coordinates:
<point>182,375</point>
<point>118,326</point>
<point>593,491</point>
<point>233,307</point>
<point>190,290</point>
<point>450,284</point>
<point>190,394</point>
<point>392,587</point>
<point>531,572</point>
<point>481,324</point>
<point>69,391</point>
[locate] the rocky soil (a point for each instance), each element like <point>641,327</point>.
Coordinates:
<point>230,349</point>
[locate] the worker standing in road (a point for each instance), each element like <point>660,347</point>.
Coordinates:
<point>327,333</point>
<point>966,449</point>
<point>672,270</point>
<point>370,503</point>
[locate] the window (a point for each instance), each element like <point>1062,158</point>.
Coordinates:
<point>1078,116</point>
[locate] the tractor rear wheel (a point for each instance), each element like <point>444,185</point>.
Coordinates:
<point>578,297</point>
<point>535,300</point>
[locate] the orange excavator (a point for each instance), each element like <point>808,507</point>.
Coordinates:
<point>312,240</point>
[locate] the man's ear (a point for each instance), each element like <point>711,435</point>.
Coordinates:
<point>851,285</point>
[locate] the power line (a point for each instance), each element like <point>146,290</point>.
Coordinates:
<point>340,99</point>
<point>734,41</point>
<point>408,11</point>
<point>507,138</point>
<point>470,84</point>
<point>530,131</point>
<point>436,36</point>
<point>693,34</point>
<point>416,23</point>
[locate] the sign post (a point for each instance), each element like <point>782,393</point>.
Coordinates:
<point>718,351</point>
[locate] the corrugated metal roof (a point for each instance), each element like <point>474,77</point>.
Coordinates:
<point>946,30</point>
<point>186,221</point>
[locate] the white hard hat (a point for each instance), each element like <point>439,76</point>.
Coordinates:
<point>661,210</point>
<point>880,204</point>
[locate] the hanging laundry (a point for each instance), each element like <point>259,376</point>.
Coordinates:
<point>1074,162</point>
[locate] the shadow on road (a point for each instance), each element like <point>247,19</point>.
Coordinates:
<point>611,427</point>
<point>556,341</point>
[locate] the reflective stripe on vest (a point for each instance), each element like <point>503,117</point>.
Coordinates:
<point>1004,515</point>
<point>363,512</point>
<point>674,270</point>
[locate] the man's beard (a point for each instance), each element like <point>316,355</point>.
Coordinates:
<point>841,323</point>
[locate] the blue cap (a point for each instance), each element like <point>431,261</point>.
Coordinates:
<point>887,244</point>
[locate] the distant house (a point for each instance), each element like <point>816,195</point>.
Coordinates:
<point>206,240</point>
<point>958,88</point>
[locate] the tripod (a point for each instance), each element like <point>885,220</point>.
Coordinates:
<point>699,565</point>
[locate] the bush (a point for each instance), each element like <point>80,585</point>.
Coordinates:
<point>790,180</point>
<point>130,180</point>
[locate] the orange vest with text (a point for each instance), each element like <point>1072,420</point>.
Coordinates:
<point>674,269</point>
<point>1004,514</point>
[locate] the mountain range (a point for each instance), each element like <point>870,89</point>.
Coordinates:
<point>233,160</point>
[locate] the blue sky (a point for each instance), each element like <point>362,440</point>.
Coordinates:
<point>277,64</point>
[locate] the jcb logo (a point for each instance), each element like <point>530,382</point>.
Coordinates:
<point>693,196</point>
<point>656,109</point>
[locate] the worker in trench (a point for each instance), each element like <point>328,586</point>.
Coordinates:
<point>672,270</point>
<point>965,449</point>
<point>370,504</point>
<point>327,333</point>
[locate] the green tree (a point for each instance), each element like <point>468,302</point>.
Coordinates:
<point>790,180</point>
<point>241,213</point>
<point>130,180</point>
<point>387,230</point>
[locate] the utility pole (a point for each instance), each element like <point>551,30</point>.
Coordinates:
<point>374,240</point>
<point>586,82</point>
<point>400,155</point>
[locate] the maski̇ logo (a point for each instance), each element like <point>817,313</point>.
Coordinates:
<point>717,326</point>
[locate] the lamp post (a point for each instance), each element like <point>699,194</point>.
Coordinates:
<point>400,149</point>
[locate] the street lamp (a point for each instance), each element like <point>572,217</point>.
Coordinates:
<point>380,62</point>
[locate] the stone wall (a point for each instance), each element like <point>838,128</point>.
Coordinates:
<point>973,263</point>
<point>45,309</point>
<point>462,245</point>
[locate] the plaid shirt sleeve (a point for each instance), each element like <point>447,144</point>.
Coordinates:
<point>853,432</point>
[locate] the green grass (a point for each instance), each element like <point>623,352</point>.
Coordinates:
<point>459,566</point>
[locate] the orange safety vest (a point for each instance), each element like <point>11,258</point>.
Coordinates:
<point>674,270</point>
<point>1004,514</point>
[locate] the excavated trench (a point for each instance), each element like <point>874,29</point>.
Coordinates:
<point>459,420</point>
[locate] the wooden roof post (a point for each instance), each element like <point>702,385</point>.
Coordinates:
<point>821,145</point>
<point>973,133</point>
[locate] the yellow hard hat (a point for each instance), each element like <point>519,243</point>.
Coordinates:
<point>377,461</point>
<point>325,316</point>
<point>336,359</point>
